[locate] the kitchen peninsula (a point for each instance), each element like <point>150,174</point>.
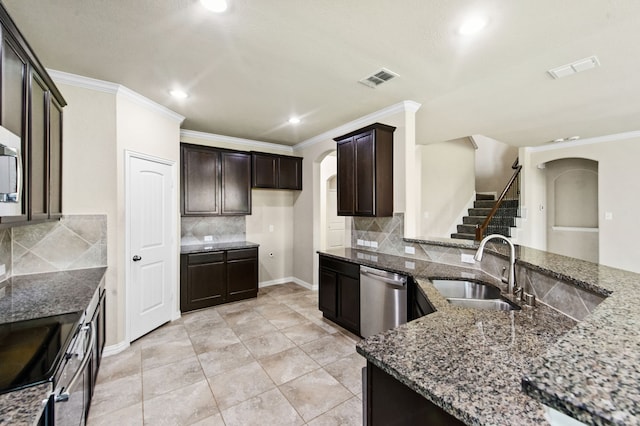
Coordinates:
<point>488,367</point>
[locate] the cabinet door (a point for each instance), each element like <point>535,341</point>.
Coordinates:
<point>38,164</point>
<point>328,292</point>
<point>200,182</point>
<point>290,173</point>
<point>13,107</point>
<point>242,274</point>
<point>236,183</point>
<point>365,174</point>
<point>349,302</point>
<point>205,285</point>
<point>265,169</point>
<point>55,159</point>
<point>346,178</point>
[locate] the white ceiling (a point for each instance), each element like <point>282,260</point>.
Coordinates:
<point>249,69</point>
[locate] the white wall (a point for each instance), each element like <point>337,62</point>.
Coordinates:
<point>493,164</point>
<point>618,186</point>
<point>101,121</point>
<point>447,184</point>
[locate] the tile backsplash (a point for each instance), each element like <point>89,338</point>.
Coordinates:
<point>387,233</point>
<point>74,242</point>
<point>222,229</point>
<point>5,252</point>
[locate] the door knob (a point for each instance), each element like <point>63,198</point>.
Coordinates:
<point>136,258</point>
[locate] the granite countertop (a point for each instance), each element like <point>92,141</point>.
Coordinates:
<point>469,362</point>
<point>589,371</point>
<point>41,295</point>
<point>203,248</point>
<point>24,407</point>
<point>37,296</point>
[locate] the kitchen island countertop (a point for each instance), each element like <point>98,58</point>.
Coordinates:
<point>208,247</point>
<point>589,370</point>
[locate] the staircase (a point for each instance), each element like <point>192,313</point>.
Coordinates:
<point>500,224</point>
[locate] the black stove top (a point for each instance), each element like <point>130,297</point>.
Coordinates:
<point>31,350</point>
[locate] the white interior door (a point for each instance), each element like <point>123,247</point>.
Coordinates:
<point>335,223</point>
<point>151,247</point>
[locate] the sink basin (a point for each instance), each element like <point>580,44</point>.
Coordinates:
<point>489,304</point>
<point>461,289</point>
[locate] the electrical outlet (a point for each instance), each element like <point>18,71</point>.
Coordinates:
<point>374,244</point>
<point>360,242</point>
<point>467,258</point>
<point>367,243</point>
<point>410,265</point>
<point>208,238</point>
<point>409,250</point>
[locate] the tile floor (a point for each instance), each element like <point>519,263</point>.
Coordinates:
<point>267,361</point>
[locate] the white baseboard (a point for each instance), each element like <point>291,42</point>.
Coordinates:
<point>287,280</point>
<point>115,349</point>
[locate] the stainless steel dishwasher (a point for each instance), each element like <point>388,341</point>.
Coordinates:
<point>383,300</point>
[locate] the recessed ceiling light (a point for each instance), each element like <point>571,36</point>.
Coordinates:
<point>573,138</point>
<point>217,6</point>
<point>558,140</point>
<point>179,94</point>
<point>472,26</point>
<point>294,120</point>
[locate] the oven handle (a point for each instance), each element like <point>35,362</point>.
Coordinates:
<point>64,392</point>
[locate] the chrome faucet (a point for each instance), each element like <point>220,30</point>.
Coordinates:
<point>511,279</point>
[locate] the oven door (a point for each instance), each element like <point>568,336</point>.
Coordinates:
<point>73,386</point>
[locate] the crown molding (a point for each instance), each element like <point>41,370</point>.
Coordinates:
<point>75,80</point>
<point>236,141</point>
<point>582,142</point>
<point>404,106</point>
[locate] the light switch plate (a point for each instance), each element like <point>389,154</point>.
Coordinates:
<point>374,244</point>
<point>3,269</point>
<point>360,242</point>
<point>208,238</point>
<point>409,250</point>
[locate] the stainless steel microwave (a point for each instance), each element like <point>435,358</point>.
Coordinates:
<point>10,173</point>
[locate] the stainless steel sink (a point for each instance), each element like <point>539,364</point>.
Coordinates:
<point>461,289</point>
<point>489,304</point>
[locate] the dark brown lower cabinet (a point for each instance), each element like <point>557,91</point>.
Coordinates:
<point>388,402</point>
<point>211,278</point>
<point>339,292</point>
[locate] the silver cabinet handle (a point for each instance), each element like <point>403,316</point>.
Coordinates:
<point>137,258</point>
<point>64,392</point>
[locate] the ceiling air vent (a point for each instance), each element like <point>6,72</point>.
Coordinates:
<point>574,67</point>
<point>379,77</point>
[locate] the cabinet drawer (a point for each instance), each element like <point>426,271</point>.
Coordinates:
<point>242,254</point>
<point>345,268</point>
<point>195,259</point>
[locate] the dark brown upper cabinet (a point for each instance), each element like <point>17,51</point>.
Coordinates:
<point>215,182</point>
<point>365,172</point>
<point>273,171</point>
<point>31,107</point>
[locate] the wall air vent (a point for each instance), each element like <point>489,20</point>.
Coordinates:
<point>381,76</point>
<point>574,67</point>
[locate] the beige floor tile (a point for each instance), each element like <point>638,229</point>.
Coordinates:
<point>126,363</point>
<point>329,349</point>
<point>160,380</point>
<point>288,365</point>
<point>304,333</point>
<point>167,352</point>
<point>224,359</point>
<point>269,408</point>
<point>241,317</point>
<point>286,319</point>
<point>271,308</point>
<point>315,393</point>
<point>268,344</point>
<point>348,371</point>
<point>128,416</point>
<point>325,324</point>
<point>215,338</point>
<point>349,413</point>
<point>253,329</point>
<point>215,420</point>
<point>207,320</point>
<point>116,394</point>
<point>235,307</point>
<point>181,407</point>
<point>238,385</point>
<point>167,332</point>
